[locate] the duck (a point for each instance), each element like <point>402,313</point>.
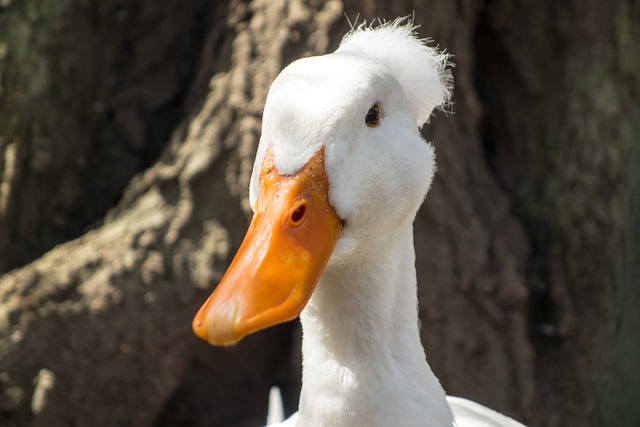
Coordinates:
<point>340,172</point>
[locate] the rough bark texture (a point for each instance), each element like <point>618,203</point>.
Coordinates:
<point>563,139</point>
<point>89,98</point>
<point>138,120</point>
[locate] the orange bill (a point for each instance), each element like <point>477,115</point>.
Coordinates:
<point>288,244</point>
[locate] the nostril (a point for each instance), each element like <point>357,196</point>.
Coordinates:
<point>298,214</point>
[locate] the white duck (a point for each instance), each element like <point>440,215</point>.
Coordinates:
<point>340,173</point>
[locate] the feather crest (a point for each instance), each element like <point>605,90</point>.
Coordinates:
<point>423,72</point>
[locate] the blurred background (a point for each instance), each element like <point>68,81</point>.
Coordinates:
<point>127,134</point>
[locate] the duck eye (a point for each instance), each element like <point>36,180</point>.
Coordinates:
<point>372,119</point>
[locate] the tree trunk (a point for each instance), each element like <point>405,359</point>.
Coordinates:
<point>563,141</point>
<point>127,133</point>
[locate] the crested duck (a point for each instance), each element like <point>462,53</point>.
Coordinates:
<point>340,172</point>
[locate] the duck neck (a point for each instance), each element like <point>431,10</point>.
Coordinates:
<point>363,362</point>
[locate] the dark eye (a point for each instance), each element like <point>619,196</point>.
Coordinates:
<point>372,119</point>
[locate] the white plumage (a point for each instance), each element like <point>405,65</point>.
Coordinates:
<point>363,362</point>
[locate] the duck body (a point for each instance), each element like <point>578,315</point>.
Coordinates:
<point>340,172</point>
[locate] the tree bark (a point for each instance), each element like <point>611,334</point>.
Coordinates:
<point>138,121</point>
<point>89,98</point>
<point>562,140</point>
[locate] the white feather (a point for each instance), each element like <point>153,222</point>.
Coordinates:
<point>421,70</point>
<point>363,362</point>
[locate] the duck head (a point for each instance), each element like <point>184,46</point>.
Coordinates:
<point>340,160</point>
